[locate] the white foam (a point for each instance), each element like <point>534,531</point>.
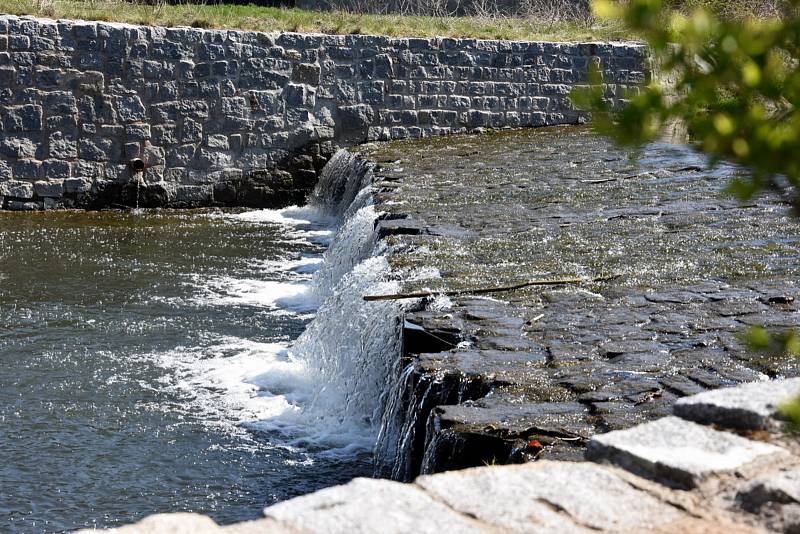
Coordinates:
<point>293,267</point>
<point>297,216</point>
<point>219,379</point>
<point>295,297</point>
<point>300,224</point>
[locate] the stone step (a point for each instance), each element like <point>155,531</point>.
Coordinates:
<point>751,406</point>
<point>681,453</point>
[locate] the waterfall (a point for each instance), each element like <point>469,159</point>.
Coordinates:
<point>342,179</point>
<point>347,352</point>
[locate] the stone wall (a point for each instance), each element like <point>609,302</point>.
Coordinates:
<point>97,114</point>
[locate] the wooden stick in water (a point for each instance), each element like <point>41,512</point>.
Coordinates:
<point>484,290</point>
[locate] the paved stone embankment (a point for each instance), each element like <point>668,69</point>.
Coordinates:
<point>676,474</point>
<point>94,114</point>
<point>536,372</point>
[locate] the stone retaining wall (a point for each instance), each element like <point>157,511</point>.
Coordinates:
<point>97,114</point>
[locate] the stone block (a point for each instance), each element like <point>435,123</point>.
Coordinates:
<point>551,496</point>
<point>152,70</point>
<point>267,102</point>
<point>234,107</point>
<point>191,132</point>
<point>165,134</point>
<point>224,68</point>
<point>372,92</point>
<point>179,109</point>
<point>27,169</point>
<point>48,78</point>
<point>298,96</point>
<point>210,158</point>
<point>218,141</point>
<point>176,175</point>
<point>19,42</point>
<point>62,146</point>
<point>130,108</point>
<point>363,506</point>
<point>154,173</point>
<point>49,188</point>
<point>16,205</point>
<point>353,122</point>
<point>96,149</point>
<point>88,169</point>
<point>153,155</point>
<point>17,147</point>
<point>182,155</point>
<point>137,132</point>
<point>681,453</point>
<point>132,150</point>
<point>50,203</point>
<point>26,118</point>
<point>77,185</point>
<point>89,59</point>
<point>306,73</point>
<point>8,76</point>
<point>16,189</point>
<point>193,195</point>
<point>185,69</point>
<point>40,44</point>
<point>747,407</point>
<point>60,103</point>
<point>84,30</point>
<point>236,142</point>
<point>5,171</point>
<point>54,169</point>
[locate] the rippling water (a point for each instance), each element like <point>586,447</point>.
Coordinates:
<point>143,356</point>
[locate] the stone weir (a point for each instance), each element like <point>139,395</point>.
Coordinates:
<point>651,277</point>
<point>97,115</point>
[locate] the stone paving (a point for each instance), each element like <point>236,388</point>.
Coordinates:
<point>534,373</point>
<point>738,484</point>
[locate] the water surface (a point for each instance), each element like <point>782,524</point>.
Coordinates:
<point>130,344</point>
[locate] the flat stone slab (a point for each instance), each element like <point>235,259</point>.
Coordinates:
<point>748,407</point>
<point>551,497</point>
<point>681,453</point>
<point>368,505</point>
<point>182,523</point>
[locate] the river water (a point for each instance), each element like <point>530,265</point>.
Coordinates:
<point>145,367</point>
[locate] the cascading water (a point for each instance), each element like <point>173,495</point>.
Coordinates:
<point>347,352</point>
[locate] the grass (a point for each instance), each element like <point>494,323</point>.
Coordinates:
<point>277,19</point>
